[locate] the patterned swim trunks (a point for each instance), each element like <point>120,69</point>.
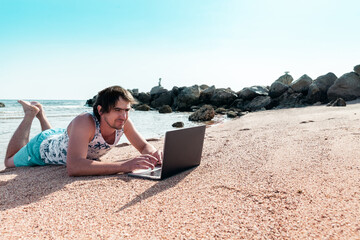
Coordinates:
<point>29,155</point>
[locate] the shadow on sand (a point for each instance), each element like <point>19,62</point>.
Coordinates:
<point>23,186</point>
<point>157,188</point>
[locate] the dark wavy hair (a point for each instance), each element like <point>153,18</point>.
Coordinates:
<point>108,97</point>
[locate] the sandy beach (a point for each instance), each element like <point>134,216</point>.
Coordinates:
<point>278,174</point>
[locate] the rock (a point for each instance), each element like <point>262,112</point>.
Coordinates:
<point>142,107</point>
<point>302,84</point>
<point>231,114</point>
<point>205,113</point>
<point>288,99</point>
<point>188,97</point>
<point>178,125</point>
<point>258,103</point>
<point>357,69</point>
<point>175,91</point>
<point>194,108</point>
<point>324,82</point>
<point>277,88</point>
<point>242,113</point>
<point>313,94</point>
<point>291,100</point>
<point>134,92</point>
<point>285,79</point>
<point>90,101</point>
<point>157,90</point>
<point>207,94</point>
<point>161,99</point>
<point>203,87</point>
<point>318,89</point>
<point>165,109</point>
<point>223,97</point>
<point>2,104</point>
<point>221,111</point>
<point>250,93</point>
<point>240,104</point>
<point>337,103</point>
<point>347,87</point>
<point>144,98</point>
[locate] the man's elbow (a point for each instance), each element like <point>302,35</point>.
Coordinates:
<point>72,170</point>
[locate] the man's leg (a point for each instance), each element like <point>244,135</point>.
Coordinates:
<point>44,122</point>
<point>22,133</point>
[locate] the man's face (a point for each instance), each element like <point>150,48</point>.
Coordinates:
<point>118,115</point>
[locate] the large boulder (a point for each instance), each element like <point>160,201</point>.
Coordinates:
<point>250,93</point>
<point>347,87</point>
<point>134,92</point>
<point>302,84</point>
<point>157,90</point>
<point>165,109</point>
<point>207,94</point>
<point>188,97</point>
<point>285,79</point>
<point>318,89</point>
<point>291,99</point>
<point>144,98</point>
<point>205,113</point>
<point>175,91</point>
<point>325,82</point>
<point>142,107</point>
<point>258,103</point>
<point>2,105</point>
<point>203,87</point>
<point>314,94</point>
<point>164,98</point>
<point>223,97</point>
<point>277,88</point>
<point>240,104</point>
<point>357,69</point>
<point>90,102</point>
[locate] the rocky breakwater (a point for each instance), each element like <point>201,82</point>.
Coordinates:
<point>202,100</point>
<point>285,92</point>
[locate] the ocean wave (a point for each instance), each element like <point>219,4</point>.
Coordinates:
<point>10,117</point>
<point>49,116</point>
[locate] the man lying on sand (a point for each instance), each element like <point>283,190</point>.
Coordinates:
<point>86,139</point>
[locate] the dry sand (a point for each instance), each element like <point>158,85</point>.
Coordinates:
<point>279,174</point>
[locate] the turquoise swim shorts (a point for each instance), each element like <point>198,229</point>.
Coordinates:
<point>29,155</point>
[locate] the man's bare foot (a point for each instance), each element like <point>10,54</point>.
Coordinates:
<point>39,106</point>
<point>29,109</point>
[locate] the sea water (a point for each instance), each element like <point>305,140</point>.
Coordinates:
<point>150,124</point>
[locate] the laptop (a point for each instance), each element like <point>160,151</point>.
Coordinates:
<point>182,151</point>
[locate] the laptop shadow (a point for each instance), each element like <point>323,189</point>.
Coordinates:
<point>159,187</point>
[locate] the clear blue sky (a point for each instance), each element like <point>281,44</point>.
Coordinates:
<point>62,49</point>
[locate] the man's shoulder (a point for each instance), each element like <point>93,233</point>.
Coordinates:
<point>82,124</point>
<point>84,118</point>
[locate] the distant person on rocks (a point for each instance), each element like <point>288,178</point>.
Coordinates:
<point>86,139</point>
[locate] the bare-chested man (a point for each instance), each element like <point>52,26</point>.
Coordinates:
<point>87,137</point>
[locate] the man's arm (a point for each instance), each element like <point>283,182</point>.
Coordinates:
<point>140,143</point>
<point>81,130</point>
